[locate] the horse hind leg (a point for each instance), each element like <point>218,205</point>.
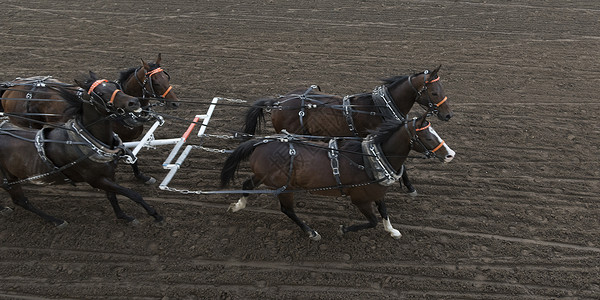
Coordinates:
<point>112,198</point>
<point>287,207</point>
<point>17,196</point>
<point>249,184</point>
<point>387,225</point>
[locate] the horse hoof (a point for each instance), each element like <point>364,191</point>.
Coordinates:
<point>233,207</point>
<point>341,230</point>
<point>62,225</point>
<point>6,211</point>
<point>413,193</point>
<point>158,218</point>
<point>133,222</point>
<point>315,236</point>
<point>396,234</point>
<point>150,181</point>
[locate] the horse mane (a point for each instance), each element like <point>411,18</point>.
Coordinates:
<point>382,133</point>
<point>74,101</point>
<point>394,80</point>
<point>385,130</point>
<point>125,74</point>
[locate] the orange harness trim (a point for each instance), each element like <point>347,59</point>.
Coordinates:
<point>95,84</point>
<point>112,97</point>
<point>157,70</point>
<point>438,147</point>
<point>443,100</point>
<point>168,90</point>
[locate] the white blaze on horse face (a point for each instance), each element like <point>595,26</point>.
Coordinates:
<point>450,152</point>
<point>387,226</point>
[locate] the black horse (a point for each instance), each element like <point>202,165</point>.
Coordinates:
<point>84,149</point>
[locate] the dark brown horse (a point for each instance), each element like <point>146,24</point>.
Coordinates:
<point>84,149</point>
<point>146,82</point>
<point>33,102</point>
<point>287,163</point>
<point>313,113</point>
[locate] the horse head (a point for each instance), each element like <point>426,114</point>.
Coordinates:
<point>106,97</point>
<point>155,82</point>
<point>432,96</point>
<point>425,140</point>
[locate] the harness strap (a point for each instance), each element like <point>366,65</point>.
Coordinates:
<point>333,154</point>
<point>39,145</point>
<point>293,154</point>
<point>347,111</point>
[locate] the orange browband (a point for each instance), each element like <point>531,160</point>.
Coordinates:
<point>95,84</point>
<point>157,70</point>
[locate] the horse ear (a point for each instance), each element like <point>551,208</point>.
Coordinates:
<point>79,83</point>
<point>146,66</point>
<point>158,59</point>
<point>93,75</point>
<point>434,72</point>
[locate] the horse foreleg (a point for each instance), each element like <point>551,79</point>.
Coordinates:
<point>18,197</point>
<point>409,187</point>
<point>111,186</point>
<point>141,176</point>
<point>387,225</point>
<point>112,197</point>
<point>287,207</point>
<point>367,210</point>
<point>241,204</point>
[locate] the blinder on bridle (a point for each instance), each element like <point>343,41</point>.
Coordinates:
<point>431,107</point>
<point>148,79</point>
<point>429,153</point>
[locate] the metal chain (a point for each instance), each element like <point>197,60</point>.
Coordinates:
<point>213,150</point>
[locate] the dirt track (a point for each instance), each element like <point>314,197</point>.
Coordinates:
<point>514,216</point>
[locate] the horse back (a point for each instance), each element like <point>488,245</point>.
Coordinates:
<point>34,95</point>
<point>311,168</point>
<point>327,118</point>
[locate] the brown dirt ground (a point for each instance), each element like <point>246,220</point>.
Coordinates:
<point>514,216</point>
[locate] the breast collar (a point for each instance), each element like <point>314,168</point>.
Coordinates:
<point>385,105</point>
<point>100,152</point>
<point>377,164</point>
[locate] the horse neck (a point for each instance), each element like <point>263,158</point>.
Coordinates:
<point>404,95</point>
<point>97,124</point>
<point>396,148</point>
<point>133,86</point>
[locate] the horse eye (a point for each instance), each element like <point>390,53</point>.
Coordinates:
<point>434,94</point>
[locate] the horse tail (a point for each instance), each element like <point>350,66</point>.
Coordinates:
<point>241,153</point>
<point>255,116</point>
<point>3,87</point>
